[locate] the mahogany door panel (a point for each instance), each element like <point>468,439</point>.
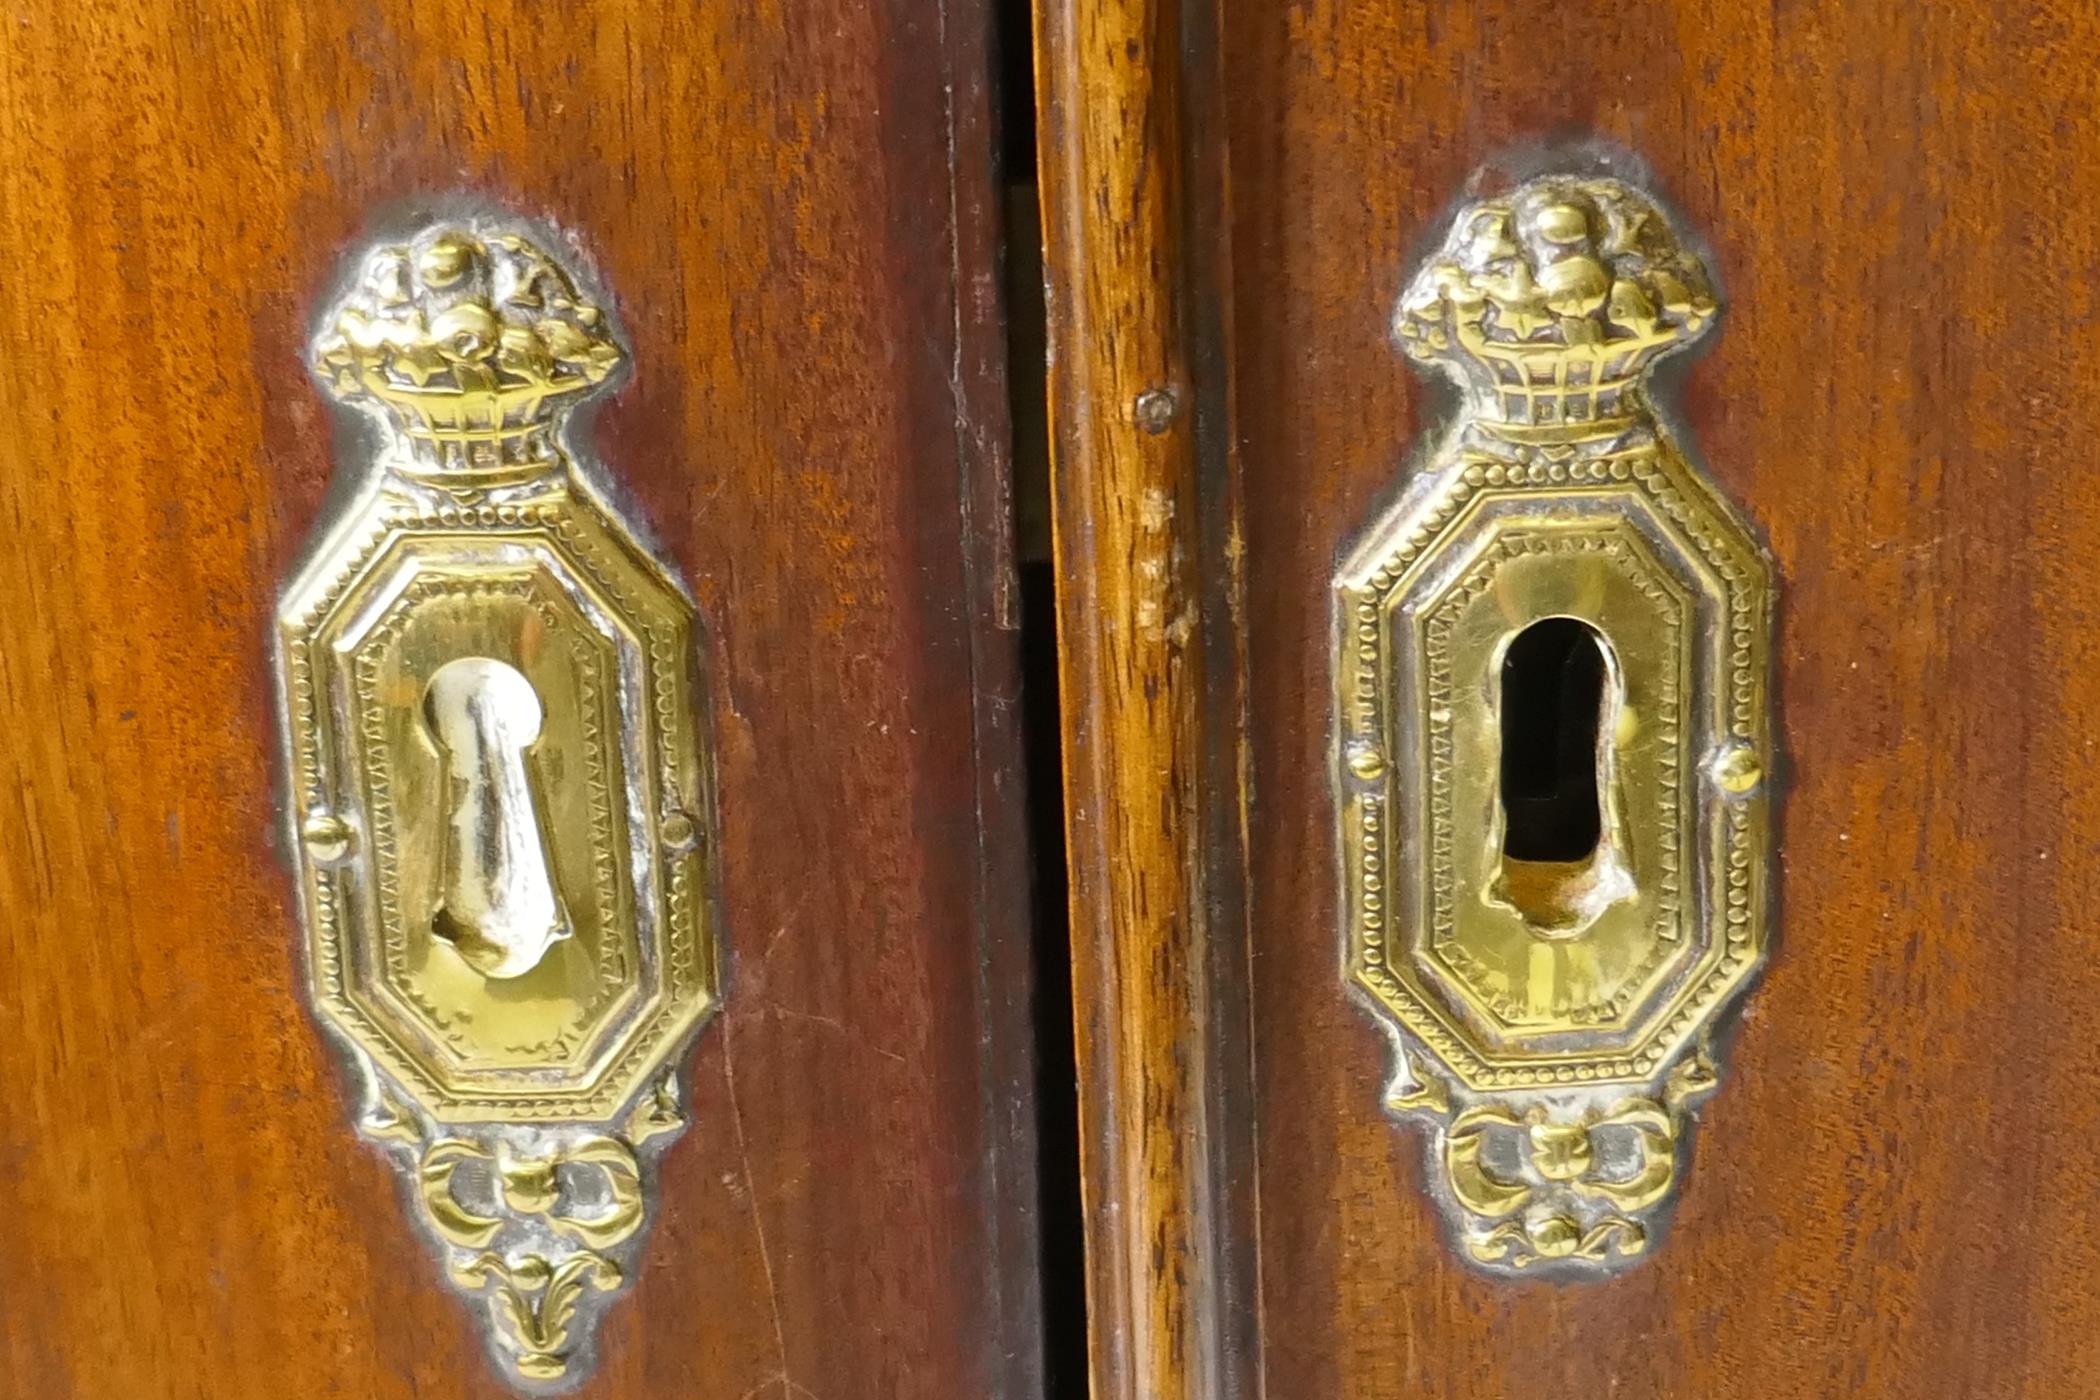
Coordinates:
<point>792,216</point>
<point>1884,1196</point>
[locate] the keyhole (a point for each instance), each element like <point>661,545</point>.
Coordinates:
<point>500,908</point>
<point>1552,700</point>
<point>1559,704</point>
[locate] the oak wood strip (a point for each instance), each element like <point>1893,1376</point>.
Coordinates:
<point>1127,526</point>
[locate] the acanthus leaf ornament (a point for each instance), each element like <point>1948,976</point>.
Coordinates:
<point>1552,736</point>
<point>500,790</point>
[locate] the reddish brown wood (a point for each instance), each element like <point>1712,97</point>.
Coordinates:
<point>1891,1195</point>
<point>794,210</point>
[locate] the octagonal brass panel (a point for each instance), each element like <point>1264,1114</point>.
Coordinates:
<point>1487,963</point>
<point>500,796</point>
<point>572,1037</point>
<point>1552,1014</point>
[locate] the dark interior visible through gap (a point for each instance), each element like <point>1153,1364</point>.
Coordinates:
<point>1060,1224</point>
<point>1552,704</point>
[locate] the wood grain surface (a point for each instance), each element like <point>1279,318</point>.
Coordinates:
<point>1121,159</point>
<point>795,211</point>
<point>1891,1194</point>
<point>1121,462</point>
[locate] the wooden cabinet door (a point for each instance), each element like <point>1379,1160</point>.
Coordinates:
<point>1887,1194</point>
<point>790,213</point>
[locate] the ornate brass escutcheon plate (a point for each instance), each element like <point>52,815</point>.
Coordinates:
<point>499,793</point>
<point>1553,736</point>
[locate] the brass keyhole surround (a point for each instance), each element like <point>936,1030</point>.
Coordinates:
<point>501,787</point>
<point>1554,879</point>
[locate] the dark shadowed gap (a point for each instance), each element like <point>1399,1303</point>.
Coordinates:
<point>1056,1090</point>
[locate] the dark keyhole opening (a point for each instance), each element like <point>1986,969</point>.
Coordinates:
<point>1552,703</point>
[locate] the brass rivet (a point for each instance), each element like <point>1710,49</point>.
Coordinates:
<point>679,833</point>
<point>1737,771</point>
<point>1366,762</point>
<point>327,836</point>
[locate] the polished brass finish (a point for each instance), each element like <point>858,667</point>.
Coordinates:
<point>499,790</point>
<point>1552,1015</point>
<point>500,908</point>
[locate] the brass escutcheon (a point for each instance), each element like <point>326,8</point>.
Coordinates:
<point>1552,732</point>
<point>499,786</point>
